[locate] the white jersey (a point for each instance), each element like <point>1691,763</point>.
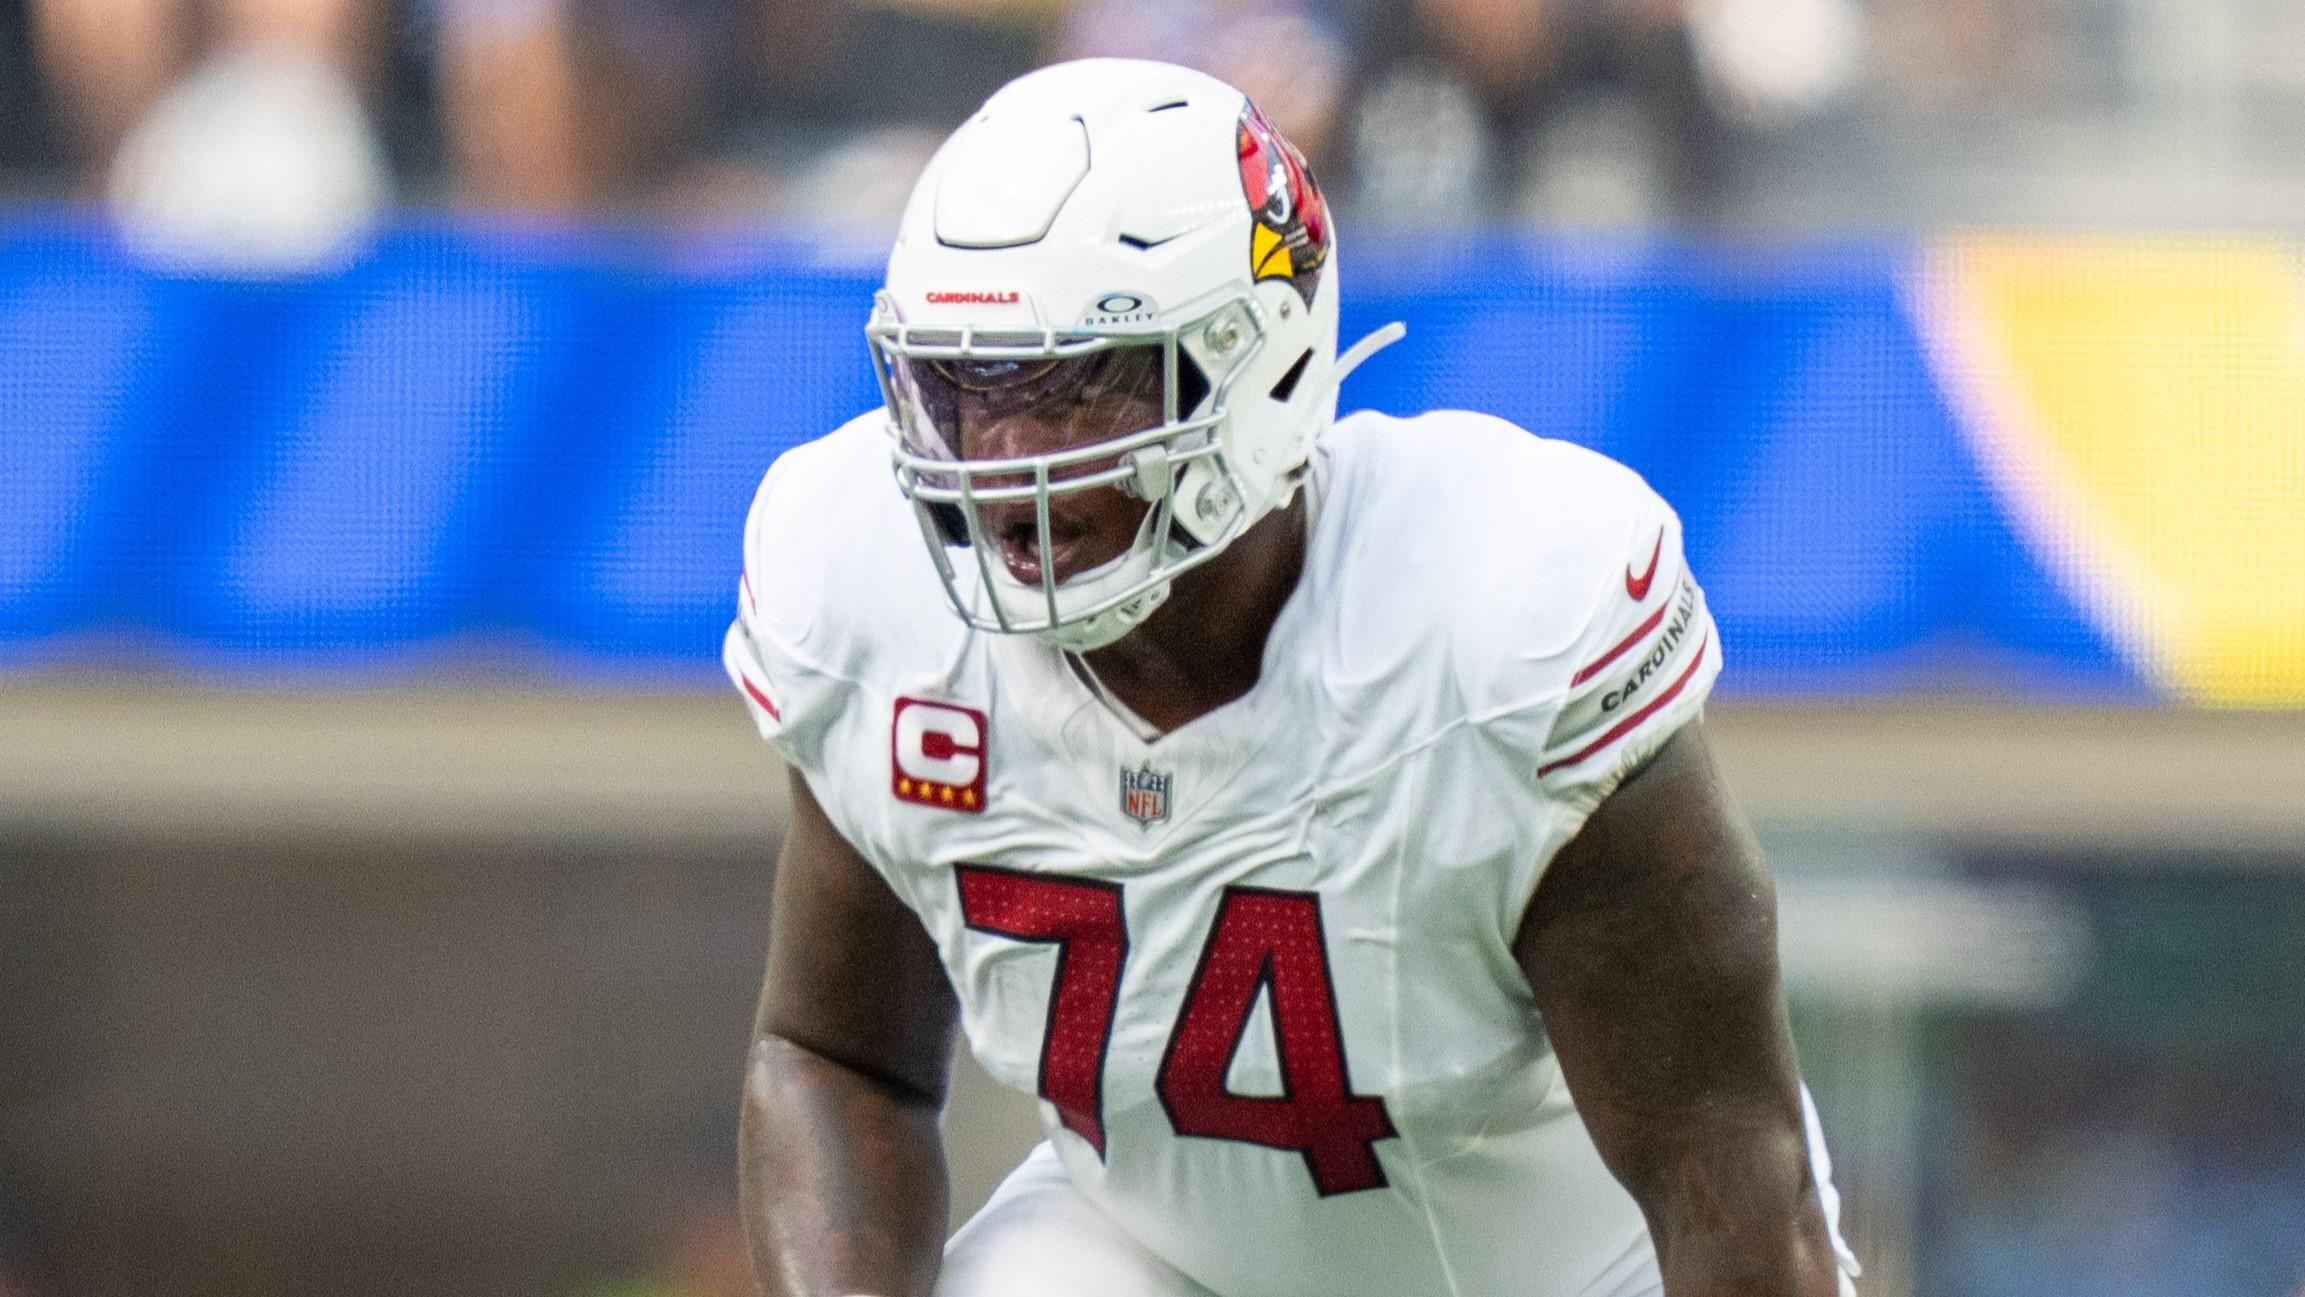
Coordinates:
<point>1259,969</point>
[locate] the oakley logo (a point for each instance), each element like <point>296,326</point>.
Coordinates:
<point>973,299</point>
<point>1120,308</point>
<point>937,754</point>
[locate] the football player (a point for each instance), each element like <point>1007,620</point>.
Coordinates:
<point>1313,813</point>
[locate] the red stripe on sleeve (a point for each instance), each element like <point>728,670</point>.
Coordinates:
<point>1625,726</point>
<point>761,696</point>
<point>1629,641</point>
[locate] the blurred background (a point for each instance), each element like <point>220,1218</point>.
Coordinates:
<point>384,865</point>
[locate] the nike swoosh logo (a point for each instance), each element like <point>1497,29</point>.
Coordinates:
<point>1638,586</point>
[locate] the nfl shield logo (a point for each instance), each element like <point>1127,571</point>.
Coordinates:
<point>1144,795</point>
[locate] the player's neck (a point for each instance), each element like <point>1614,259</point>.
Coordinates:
<point>1205,646</point>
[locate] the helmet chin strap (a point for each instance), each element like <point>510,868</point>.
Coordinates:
<point>1087,634</point>
<point>1365,348</point>
<point>1092,633</point>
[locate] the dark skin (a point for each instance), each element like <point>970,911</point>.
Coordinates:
<point>841,1165</point>
<point>1205,646</point>
<point>1651,946</point>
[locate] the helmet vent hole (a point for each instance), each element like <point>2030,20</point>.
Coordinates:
<point>1287,387</point>
<point>1192,385</point>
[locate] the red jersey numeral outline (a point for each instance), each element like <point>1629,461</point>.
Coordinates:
<point>1269,943</point>
<point>1264,943</point>
<point>1080,917</point>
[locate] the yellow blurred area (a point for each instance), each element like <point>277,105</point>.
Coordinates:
<point>2158,387</point>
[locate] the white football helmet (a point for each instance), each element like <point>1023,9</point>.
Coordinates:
<point>1131,244</point>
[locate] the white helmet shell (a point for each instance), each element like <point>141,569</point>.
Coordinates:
<point>1097,204</point>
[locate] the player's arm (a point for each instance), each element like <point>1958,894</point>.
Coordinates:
<point>1652,948</point>
<point>842,1167</point>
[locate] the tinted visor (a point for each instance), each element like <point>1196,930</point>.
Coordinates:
<point>946,407</point>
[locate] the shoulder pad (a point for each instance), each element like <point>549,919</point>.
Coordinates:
<point>832,585</point>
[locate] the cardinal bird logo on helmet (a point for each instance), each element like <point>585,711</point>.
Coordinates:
<point>1289,238</point>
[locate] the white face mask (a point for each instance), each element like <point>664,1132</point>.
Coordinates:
<point>1123,579</point>
<point>1110,433</point>
<point>1105,414</point>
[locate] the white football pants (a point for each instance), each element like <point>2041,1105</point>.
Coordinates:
<point>1037,1236</point>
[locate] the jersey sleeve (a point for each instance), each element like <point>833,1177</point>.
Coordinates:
<point>793,696</point>
<point>1640,667</point>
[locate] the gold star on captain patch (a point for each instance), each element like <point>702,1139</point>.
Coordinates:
<point>904,786</point>
<point>945,793</point>
<point>968,797</point>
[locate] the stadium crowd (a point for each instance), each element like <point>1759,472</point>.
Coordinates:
<point>295,118</point>
<point>273,130</point>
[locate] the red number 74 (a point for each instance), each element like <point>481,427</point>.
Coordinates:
<point>1264,941</point>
